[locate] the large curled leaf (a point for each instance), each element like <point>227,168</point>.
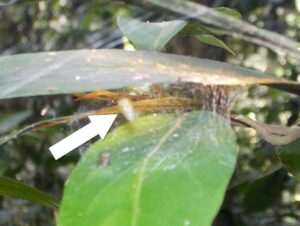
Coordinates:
<point>13,188</point>
<point>290,157</point>
<point>88,70</point>
<point>149,36</point>
<point>158,170</point>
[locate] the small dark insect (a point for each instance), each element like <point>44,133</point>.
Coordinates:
<point>104,159</point>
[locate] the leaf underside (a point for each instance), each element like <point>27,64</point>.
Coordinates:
<point>149,36</point>
<point>88,70</point>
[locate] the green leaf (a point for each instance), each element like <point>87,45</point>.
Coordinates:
<point>229,12</point>
<point>214,41</point>
<point>207,34</point>
<point>290,157</point>
<point>9,121</point>
<point>157,170</point>
<point>194,29</point>
<point>89,70</point>
<point>149,36</point>
<point>13,188</point>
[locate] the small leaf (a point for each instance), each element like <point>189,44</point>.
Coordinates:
<point>229,12</point>
<point>157,170</point>
<point>13,188</point>
<point>215,31</point>
<point>290,157</point>
<point>214,41</point>
<point>194,29</point>
<point>149,36</point>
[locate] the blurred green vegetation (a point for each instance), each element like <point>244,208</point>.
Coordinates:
<point>31,26</point>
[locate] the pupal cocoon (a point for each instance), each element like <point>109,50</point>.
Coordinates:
<point>127,109</point>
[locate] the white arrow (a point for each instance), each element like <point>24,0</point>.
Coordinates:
<point>99,125</point>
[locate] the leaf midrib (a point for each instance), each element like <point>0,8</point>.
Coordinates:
<point>139,185</point>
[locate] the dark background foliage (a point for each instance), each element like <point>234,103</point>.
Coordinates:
<point>261,192</point>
